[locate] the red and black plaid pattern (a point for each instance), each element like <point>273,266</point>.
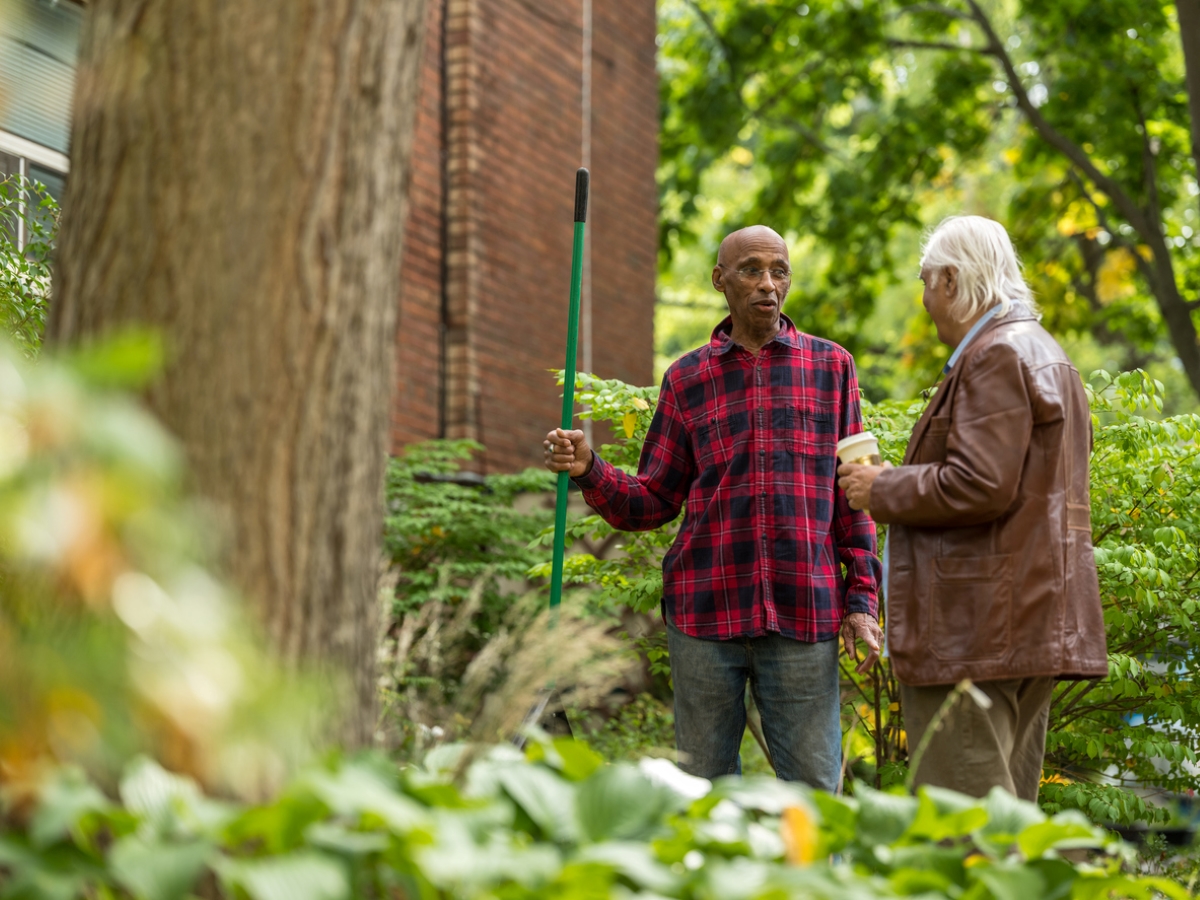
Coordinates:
<point>749,444</point>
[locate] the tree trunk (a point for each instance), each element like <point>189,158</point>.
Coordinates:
<point>1181,327</point>
<point>1188,12</point>
<point>238,182</point>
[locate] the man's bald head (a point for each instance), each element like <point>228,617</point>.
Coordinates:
<point>736,241</point>
<point>754,273</point>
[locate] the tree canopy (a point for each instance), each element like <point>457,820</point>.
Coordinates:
<point>851,123</point>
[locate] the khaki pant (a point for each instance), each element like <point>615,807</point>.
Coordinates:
<point>975,750</point>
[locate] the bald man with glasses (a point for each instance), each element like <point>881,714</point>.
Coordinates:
<point>744,439</point>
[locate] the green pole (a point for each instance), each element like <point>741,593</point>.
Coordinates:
<point>568,409</point>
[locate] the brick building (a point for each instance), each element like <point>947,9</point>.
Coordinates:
<point>501,129</point>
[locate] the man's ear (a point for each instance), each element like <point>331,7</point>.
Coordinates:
<point>718,278</point>
<point>951,280</point>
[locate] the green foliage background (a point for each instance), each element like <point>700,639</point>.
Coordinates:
<point>852,126</point>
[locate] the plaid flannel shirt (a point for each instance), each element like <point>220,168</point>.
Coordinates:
<point>749,443</point>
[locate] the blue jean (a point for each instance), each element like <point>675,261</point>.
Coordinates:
<point>795,687</point>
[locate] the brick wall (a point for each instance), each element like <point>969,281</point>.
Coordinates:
<point>513,110</point>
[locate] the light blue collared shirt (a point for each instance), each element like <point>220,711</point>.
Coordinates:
<point>958,351</point>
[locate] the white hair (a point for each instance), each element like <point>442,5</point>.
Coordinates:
<point>989,273</point>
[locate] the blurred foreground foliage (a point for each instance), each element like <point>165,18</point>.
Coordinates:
<point>115,636</point>
<point>555,822</point>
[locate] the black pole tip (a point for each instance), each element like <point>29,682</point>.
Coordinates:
<point>582,181</point>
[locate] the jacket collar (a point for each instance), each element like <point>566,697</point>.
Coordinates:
<point>722,342</point>
<point>946,387</point>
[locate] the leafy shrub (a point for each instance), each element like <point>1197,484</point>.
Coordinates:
<point>555,823</point>
<point>25,271</point>
<point>444,537</point>
<point>470,649</point>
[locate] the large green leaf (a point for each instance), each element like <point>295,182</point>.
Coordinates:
<point>883,818</point>
<point>1007,881</point>
<point>618,802</point>
<point>1066,830</point>
<point>153,870</point>
<point>169,801</point>
<point>634,861</point>
<point>962,817</point>
<point>64,801</point>
<point>357,788</point>
<point>299,876</point>
<point>546,799</point>
<point>1008,816</point>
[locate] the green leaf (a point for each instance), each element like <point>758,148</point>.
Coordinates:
<point>546,799</point>
<point>151,870</point>
<point>301,876</point>
<point>357,788</point>
<point>1066,830</point>
<point>578,759</point>
<point>1008,816</point>
<point>933,825</point>
<point>883,818</point>
<point>634,861</point>
<point>1008,881</point>
<point>64,801</point>
<point>618,802</point>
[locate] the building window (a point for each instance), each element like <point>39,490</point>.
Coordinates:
<point>26,163</point>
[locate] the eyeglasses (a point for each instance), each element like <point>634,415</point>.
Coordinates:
<point>754,273</point>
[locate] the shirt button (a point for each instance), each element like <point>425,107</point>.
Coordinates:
<point>764,493</point>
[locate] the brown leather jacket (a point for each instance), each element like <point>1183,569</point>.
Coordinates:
<point>991,573</point>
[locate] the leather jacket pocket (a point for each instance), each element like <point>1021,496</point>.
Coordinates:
<point>933,446</point>
<point>970,607</point>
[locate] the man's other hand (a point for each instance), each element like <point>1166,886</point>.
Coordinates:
<point>863,627</point>
<point>856,480</point>
<point>567,451</point>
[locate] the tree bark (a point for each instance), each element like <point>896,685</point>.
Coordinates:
<point>239,175</point>
<point>1188,12</point>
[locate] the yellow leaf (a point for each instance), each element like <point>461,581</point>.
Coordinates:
<point>1011,155</point>
<point>741,156</point>
<point>640,403</point>
<point>799,833</point>
<point>630,421</point>
<point>1115,278</point>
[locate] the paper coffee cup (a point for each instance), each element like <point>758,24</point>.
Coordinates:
<point>860,448</point>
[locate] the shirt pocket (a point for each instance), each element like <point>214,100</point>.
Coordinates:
<point>811,432</point>
<point>712,438</point>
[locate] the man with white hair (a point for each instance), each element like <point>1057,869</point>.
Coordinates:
<point>989,573</point>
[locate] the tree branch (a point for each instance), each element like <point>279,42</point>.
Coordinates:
<point>765,106</point>
<point>933,45</point>
<point>711,26</point>
<point>1052,136</point>
<point>1149,177</point>
<point>938,8</point>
